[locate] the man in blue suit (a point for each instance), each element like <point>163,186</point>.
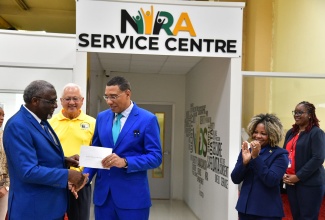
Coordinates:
<point>122,191</point>
<point>37,168</point>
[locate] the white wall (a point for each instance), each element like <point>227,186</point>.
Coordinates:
<point>28,56</point>
<point>97,83</point>
<point>209,95</point>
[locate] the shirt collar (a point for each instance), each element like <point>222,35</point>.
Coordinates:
<point>33,114</point>
<point>61,117</point>
<point>127,111</point>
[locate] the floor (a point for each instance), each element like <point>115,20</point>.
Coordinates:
<point>168,210</point>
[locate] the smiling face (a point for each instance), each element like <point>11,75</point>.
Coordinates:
<point>301,116</point>
<point>71,102</point>
<point>260,135</point>
<point>117,100</point>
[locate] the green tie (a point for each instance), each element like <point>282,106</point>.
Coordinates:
<point>116,127</point>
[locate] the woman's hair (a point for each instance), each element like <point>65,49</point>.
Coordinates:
<point>313,120</point>
<point>273,127</point>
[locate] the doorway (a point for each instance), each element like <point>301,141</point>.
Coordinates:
<point>159,178</point>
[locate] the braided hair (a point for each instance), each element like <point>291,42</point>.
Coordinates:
<point>313,121</point>
<point>272,124</point>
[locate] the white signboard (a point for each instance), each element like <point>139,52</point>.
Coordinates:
<point>208,29</point>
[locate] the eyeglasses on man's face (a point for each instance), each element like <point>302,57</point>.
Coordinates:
<point>112,97</point>
<point>51,102</point>
<point>69,99</point>
<point>298,113</point>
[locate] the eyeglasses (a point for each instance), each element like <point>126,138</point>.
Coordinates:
<point>75,99</point>
<point>112,98</point>
<point>297,113</point>
<point>51,102</point>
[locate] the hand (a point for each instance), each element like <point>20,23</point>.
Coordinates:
<point>77,179</point>
<point>246,154</point>
<point>256,148</point>
<point>290,179</point>
<point>113,160</point>
<point>74,190</point>
<point>72,161</point>
<point>3,191</point>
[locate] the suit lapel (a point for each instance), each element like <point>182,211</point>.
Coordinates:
<point>128,125</point>
<point>267,152</point>
<point>109,126</point>
<point>38,127</point>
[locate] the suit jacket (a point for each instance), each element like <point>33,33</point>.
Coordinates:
<point>260,191</point>
<point>38,188</point>
<point>139,143</point>
<point>309,157</point>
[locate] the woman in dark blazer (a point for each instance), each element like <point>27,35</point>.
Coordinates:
<point>305,175</point>
<point>260,168</point>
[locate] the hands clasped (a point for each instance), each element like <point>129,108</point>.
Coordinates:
<point>76,181</point>
<point>290,179</point>
<point>250,154</point>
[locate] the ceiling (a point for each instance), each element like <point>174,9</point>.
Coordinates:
<point>59,16</point>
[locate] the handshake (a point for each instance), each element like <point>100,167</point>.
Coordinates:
<point>76,180</point>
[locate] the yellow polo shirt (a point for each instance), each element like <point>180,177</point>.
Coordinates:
<point>73,133</point>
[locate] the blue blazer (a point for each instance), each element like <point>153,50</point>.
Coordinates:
<point>260,191</point>
<point>38,177</point>
<point>139,143</point>
<point>309,157</point>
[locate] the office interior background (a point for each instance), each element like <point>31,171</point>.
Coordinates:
<point>278,36</point>
<point>281,37</point>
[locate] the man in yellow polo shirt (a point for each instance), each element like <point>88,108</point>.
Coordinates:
<point>74,129</point>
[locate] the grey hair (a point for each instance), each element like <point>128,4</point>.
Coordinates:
<point>71,85</point>
<point>273,127</point>
<point>36,89</point>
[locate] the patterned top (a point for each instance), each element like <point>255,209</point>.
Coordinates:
<point>4,177</point>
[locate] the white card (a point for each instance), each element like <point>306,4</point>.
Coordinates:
<point>92,156</point>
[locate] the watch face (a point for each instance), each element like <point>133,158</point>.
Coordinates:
<point>7,188</point>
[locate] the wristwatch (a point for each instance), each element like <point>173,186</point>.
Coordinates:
<point>7,188</point>
<point>126,163</point>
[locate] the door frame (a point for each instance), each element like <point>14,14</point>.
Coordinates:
<point>172,139</point>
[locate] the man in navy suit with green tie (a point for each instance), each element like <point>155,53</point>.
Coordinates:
<point>122,191</point>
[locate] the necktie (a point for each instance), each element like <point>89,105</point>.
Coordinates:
<point>116,127</point>
<point>46,129</point>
